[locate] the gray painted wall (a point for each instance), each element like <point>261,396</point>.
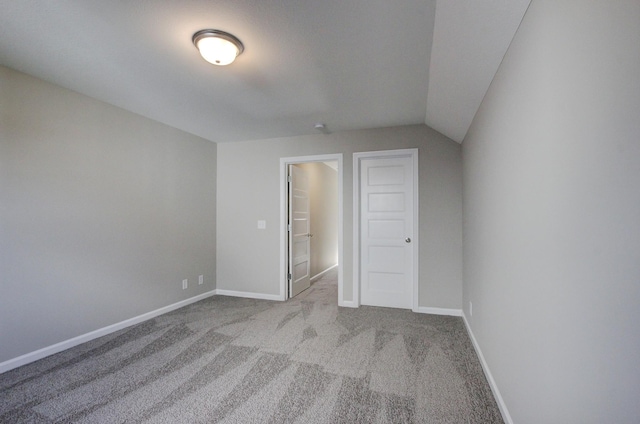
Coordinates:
<point>323,192</point>
<point>102,214</point>
<point>248,191</point>
<point>551,216</point>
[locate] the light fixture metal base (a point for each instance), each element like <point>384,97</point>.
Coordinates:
<point>203,33</point>
<point>217,54</point>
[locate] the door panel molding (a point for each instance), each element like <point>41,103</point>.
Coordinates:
<point>357,167</point>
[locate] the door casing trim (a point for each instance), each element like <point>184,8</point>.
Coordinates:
<point>385,154</point>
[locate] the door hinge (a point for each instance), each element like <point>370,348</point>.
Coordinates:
<point>288,276</point>
<point>289,178</point>
<point>289,227</point>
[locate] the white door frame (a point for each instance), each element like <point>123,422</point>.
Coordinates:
<point>284,163</point>
<point>384,154</point>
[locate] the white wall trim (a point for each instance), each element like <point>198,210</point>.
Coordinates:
<point>357,157</point>
<point>249,295</point>
<point>487,372</point>
<point>67,344</point>
<point>284,162</point>
<point>348,304</point>
<point>438,311</point>
<point>320,274</point>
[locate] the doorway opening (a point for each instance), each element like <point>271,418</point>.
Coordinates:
<point>307,250</point>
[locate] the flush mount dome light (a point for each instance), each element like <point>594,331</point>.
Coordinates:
<point>217,47</point>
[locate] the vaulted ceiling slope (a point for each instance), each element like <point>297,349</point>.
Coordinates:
<point>349,64</point>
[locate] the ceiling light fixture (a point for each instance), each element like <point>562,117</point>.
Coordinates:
<point>217,47</point>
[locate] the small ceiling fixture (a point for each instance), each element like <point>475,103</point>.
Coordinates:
<point>217,47</point>
<point>321,127</point>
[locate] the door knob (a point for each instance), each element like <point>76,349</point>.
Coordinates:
<point>407,240</point>
<point>309,235</point>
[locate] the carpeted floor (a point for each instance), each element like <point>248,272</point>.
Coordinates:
<point>232,360</point>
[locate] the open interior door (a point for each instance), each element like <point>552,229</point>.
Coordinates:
<point>298,228</point>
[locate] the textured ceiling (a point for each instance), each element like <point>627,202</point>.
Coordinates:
<point>350,64</point>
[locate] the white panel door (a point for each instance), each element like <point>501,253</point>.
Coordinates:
<point>386,231</point>
<point>299,236</point>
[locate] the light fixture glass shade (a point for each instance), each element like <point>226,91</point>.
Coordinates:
<point>217,47</point>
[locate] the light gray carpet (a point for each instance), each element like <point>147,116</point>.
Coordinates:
<point>231,360</point>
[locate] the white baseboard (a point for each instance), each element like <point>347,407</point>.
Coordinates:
<point>249,295</point>
<point>67,344</point>
<point>320,274</point>
<point>485,367</point>
<point>438,311</point>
